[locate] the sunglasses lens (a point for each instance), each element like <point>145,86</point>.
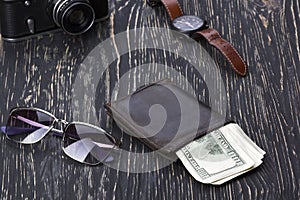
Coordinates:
<point>28,126</point>
<point>88,144</point>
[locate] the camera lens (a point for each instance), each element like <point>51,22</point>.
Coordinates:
<point>74,16</point>
<point>77,17</point>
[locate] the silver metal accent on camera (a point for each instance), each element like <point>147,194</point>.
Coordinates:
<point>30,25</point>
<point>57,9</point>
<point>27,3</point>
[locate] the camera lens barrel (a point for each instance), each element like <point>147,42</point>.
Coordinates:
<point>73,16</point>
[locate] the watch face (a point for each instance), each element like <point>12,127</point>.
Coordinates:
<point>188,23</point>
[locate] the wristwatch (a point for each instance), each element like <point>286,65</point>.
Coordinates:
<point>198,28</point>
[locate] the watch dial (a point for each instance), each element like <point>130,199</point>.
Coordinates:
<point>188,23</point>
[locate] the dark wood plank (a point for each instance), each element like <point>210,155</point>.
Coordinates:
<point>41,72</point>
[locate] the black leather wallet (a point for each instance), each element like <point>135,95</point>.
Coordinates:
<point>164,116</point>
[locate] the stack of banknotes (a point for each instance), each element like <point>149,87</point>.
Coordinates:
<point>221,155</point>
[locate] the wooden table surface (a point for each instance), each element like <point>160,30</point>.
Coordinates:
<point>41,72</point>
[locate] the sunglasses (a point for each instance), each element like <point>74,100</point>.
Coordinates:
<point>82,142</point>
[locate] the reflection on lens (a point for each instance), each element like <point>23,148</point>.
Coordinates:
<point>73,16</point>
<point>77,17</point>
<point>87,144</point>
<point>28,126</point>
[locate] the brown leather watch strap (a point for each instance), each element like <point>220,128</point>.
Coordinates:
<point>173,8</point>
<point>213,37</point>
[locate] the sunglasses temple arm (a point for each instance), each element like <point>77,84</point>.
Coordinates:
<point>54,131</point>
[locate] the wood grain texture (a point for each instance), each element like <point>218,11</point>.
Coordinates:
<point>41,71</point>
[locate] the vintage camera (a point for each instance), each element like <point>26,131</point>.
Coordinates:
<point>22,19</point>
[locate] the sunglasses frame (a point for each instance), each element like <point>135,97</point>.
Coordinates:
<point>61,133</point>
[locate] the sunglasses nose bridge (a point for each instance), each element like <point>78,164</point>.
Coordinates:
<point>61,123</point>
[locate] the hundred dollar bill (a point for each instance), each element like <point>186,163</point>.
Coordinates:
<point>235,134</point>
<point>239,133</point>
<point>212,158</point>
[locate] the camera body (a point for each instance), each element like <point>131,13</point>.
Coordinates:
<point>20,19</point>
